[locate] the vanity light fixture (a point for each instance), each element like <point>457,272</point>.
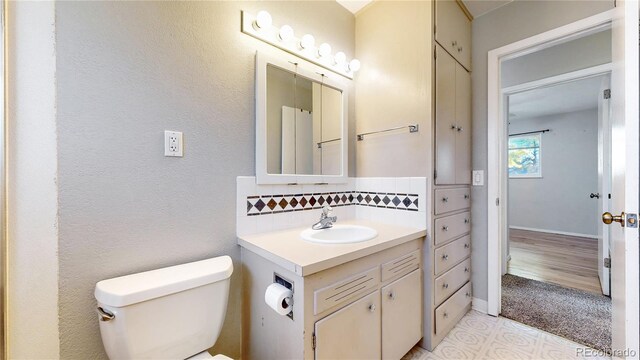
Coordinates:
<point>263,20</point>
<point>354,65</point>
<point>307,41</point>
<point>285,33</point>
<point>340,58</point>
<point>261,27</point>
<point>324,50</point>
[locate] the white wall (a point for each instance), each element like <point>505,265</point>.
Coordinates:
<point>126,71</point>
<point>515,21</point>
<point>577,54</point>
<point>559,201</point>
<point>32,287</point>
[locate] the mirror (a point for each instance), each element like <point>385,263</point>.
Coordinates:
<point>301,123</point>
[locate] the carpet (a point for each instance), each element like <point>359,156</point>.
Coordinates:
<point>576,315</point>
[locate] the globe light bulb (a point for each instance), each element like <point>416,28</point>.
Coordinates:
<point>324,50</point>
<point>340,58</point>
<point>307,41</point>
<point>354,65</point>
<point>286,33</point>
<point>263,20</point>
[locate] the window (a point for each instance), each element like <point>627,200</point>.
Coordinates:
<point>524,156</point>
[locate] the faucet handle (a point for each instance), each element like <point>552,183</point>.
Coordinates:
<point>326,210</point>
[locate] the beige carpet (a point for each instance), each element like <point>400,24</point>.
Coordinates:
<point>576,315</point>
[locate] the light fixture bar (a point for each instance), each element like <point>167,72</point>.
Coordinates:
<point>284,38</point>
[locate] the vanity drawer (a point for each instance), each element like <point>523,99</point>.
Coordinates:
<point>447,314</point>
<point>447,256</point>
<point>452,280</point>
<point>450,227</point>
<point>447,200</point>
<point>400,266</point>
<point>345,290</point>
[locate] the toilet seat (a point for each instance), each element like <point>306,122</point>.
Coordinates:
<point>206,356</point>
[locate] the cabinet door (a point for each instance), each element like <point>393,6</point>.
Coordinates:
<point>453,31</point>
<point>445,118</point>
<point>463,125</point>
<point>401,315</point>
<point>352,332</point>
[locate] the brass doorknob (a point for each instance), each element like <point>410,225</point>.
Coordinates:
<point>607,218</point>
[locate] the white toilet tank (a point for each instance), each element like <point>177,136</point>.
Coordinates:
<point>170,313</point>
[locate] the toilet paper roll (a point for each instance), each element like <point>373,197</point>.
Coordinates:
<point>279,298</point>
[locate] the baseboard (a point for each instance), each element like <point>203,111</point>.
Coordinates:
<point>554,232</point>
<point>479,305</point>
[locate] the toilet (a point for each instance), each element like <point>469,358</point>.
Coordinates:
<point>170,313</point>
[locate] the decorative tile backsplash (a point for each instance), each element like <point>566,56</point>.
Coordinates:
<point>274,204</point>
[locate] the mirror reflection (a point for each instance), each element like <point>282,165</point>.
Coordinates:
<point>304,125</point>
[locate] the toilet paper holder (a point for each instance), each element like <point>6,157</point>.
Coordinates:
<point>279,279</point>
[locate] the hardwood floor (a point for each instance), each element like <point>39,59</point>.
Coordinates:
<point>568,261</point>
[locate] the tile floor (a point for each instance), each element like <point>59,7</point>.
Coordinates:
<point>480,336</point>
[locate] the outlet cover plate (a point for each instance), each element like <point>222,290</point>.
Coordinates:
<point>478,177</point>
<point>173,143</point>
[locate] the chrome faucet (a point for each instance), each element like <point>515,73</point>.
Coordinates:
<point>326,221</point>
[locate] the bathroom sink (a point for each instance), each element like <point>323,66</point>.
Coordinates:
<point>339,234</point>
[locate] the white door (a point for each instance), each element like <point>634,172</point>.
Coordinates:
<point>624,189</point>
<point>604,180</point>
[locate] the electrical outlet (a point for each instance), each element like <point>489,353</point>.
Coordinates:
<point>172,143</point>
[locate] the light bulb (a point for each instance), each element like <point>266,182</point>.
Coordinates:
<point>324,50</point>
<point>354,65</point>
<point>263,20</point>
<point>307,41</point>
<point>286,33</point>
<point>340,58</point>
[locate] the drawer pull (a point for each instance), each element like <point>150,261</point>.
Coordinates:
<point>460,129</point>
<point>392,296</point>
<point>466,196</point>
<point>445,228</point>
<point>466,269</point>
<point>445,285</point>
<point>466,246</point>
<point>445,199</point>
<point>454,43</point>
<point>468,294</point>
<point>372,307</point>
<point>466,221</point>
<point>460,49</point>
<point>445,257</point>
<point>453,127</point>
<point>445,315</point>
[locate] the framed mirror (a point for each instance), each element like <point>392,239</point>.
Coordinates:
<point>301,124</point>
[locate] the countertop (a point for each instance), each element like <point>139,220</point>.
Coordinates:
<point>287,249</point>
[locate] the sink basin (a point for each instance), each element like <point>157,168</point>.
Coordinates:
<point>340,234</point>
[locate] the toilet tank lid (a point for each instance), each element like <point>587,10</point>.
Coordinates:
<point>135,288</point>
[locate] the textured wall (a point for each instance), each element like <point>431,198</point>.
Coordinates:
<point>510,23</point>
<point>126,71</point>
<point>32,202</point>
<point>569,154</point>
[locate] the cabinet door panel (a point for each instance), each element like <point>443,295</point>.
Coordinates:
<point>453,31</point>
<point>401,315</point>
<point>445,138</point>
<point>352,332</point>
<point>463,123</point>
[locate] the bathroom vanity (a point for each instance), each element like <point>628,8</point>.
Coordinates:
<point>357,300</point>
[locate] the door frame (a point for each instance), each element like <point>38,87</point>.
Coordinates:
<point>497,139</point>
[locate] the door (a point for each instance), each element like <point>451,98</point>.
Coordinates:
<point>624,186</point>
<point>445,118</point>
<point>401,315</point>
<point>604,181</point>
<point>463,125</point>
<point>352,332</point>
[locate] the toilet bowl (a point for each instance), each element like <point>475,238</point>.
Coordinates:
<point>170,313</point>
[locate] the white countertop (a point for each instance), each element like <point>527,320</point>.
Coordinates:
<point>287,249</point>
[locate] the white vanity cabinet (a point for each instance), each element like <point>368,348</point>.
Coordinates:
<point>367,308</point>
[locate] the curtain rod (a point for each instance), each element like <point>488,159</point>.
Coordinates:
<point>531,132</point>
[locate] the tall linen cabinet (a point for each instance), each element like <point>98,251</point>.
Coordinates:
<point>416,64</point>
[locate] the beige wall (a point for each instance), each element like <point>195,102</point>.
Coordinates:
<point>393,88</point>
<point>32,287</point>
<point>126,71</point>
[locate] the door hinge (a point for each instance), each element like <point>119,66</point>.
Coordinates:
<point>435,174</point>
<point>313,341</point>
<point>607,263</point>
<point>497,201</point>
<point>435,53</point>
<point>607,94</point>
<point>632,220</point>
